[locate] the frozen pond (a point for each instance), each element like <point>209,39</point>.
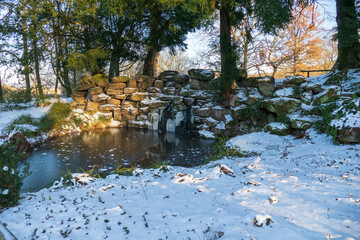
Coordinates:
<point>110,148</point>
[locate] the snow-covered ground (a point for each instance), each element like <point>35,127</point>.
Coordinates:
<point>6,117</point>
<point>291,189</point>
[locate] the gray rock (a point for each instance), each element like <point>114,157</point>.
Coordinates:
<point>282,105</point>
<point>201,74</point>
<point>181,78</point>
<point>277,128</point>
<point>267,89</point>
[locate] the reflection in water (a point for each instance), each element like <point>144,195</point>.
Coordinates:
<point>111,148</point>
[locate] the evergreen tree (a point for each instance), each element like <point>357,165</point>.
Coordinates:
<point>166,24</point>
<point>348,25</point>
<point>270,15</point>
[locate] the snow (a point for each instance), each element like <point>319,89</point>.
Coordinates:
<point>6,234</point>
<point>278,126</point>
<point>285,92</point>
<point>351,120</point>
<point>293,189</point>
<point>206,134</point>
<point>7,117</point>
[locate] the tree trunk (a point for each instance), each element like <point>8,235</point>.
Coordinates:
<point>37,69</point>
<point>348,37</point>
<point>111,71</point>
<point>26,53</point>
<point>229,71</point>
<point>1,92</point>
<point>151,62</point>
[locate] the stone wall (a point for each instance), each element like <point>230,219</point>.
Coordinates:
<point>174,100</point>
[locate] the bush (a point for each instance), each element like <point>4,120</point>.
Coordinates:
<point>11,177</point>
<point>53,119</point>
<point>46,123</point>
<point>59,110</point>
<point>26,131</point>
<point>17,96</point>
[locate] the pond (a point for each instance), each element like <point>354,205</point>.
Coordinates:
<point>109,149</point>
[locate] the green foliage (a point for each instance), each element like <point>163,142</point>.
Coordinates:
<point>59,110</point>
<point>219,150</point>
<point>68,179</point>
<point>46,123</point>
<point>284,118</point>
<point>253,110</point>
<point>17,96</point>
<point>88,60</point>
<point>54,119</point>
<point>124,171</point>
<point>326,112</point>
<point>331,111</point>
<point>23,119</point>
<point>11,176</point>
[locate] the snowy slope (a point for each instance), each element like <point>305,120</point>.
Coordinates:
<point>303,189</point>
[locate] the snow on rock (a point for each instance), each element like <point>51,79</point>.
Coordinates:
<point>207,134</point>
<point>260,220</point>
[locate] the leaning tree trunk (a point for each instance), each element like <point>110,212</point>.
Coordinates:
<point>151,62</point>
<point>228,61</point>
<point>348,37</point>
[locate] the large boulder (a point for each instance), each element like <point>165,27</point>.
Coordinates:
<point>286,92</point>
<point>117,86</point>
<point>100,80</point>
<point>199,85</point>
<point>201,74</point>
<point>282,105</point>
<point>120,79</point>
<point>238,98</point>
<point>168,76</point>
<point>267,89</point>
<point>241,112</point>
<point>253,96</point>
<point>114,92</point>
<point>328,95</point>
<point>181,78</point>
<point>348,127</point>
<point>256,81</point>
<point>138,96</point>
<point>302,123</point>
<point>277,128</point>
<point>95,91</point>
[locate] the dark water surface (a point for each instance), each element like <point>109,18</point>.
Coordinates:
<point>111,148</point>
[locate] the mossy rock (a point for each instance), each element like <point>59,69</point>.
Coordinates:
<point>328,95</point>
<point>256,81</point>
<point>120,79</point>
<point>282,105</point>
<point>241,112</point>
<point>277,129</point>
<point>100,80</point>
<point>301,123</point>
<point>253,95</point>
<point>201,74</point>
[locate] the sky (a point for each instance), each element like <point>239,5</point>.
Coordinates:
<point>196,44</point>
